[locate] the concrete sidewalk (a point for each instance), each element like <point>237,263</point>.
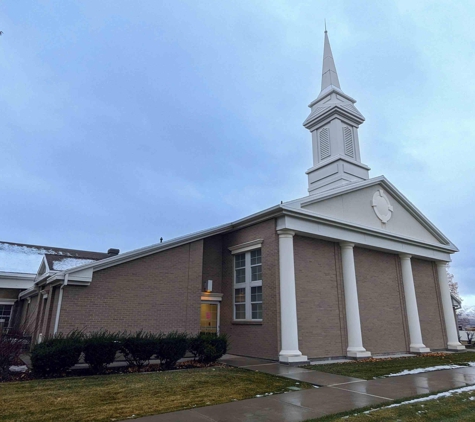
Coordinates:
<point>338,395</point>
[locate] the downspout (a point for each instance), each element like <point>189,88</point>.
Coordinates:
<point>60,301</point>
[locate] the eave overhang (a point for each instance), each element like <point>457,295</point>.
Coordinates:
<point>83,275</point>
<point>335,110</point>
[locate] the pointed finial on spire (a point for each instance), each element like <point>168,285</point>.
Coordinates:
<point>329,75</point>
<point>325,25</point>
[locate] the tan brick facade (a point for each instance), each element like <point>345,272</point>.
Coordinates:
<point>260,340</point>
<point>320,306</point>
<point>213,261</point>
<point>381,301</point>
<point>159,292</point>
<point>428,303</point>
<point>162,292</point>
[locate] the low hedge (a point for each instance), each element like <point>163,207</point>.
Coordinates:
<point>100,349</point>
<point>138,348</point>
<point>171,348</point>
<point>208,347</point>
<point>57,354</point>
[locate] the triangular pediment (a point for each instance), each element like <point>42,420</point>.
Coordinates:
<point>375,204</point>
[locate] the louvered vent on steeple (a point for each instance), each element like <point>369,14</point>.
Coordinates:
<point>348,138</point>
<point>324,143</point>
<point>333,122</point>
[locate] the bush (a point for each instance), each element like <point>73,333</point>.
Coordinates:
<point>138,348</point>
<point>208,347</point>
<point>100,349</point>
<point>171,348</point>
<point>11,347</point>
<point>55,355</point>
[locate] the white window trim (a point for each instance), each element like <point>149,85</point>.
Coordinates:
<point>246,248</point>
<point>9,302</point>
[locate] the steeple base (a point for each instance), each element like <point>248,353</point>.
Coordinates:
<point>336,172</point>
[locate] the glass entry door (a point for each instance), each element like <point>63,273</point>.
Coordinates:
<point>209,318</point>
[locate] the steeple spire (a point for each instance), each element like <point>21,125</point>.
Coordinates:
<point>334,122</point>
<point>329,75</point>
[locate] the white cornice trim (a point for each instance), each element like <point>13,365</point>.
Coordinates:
<point>266,214</point>
<point>322,219</point>
<point>248,246</point>
<point>408,205</point>
<point>211,297</point>
<point>334,158</point>
<point>17,276</point>
<point>28,293</point>
<point>7,301</point>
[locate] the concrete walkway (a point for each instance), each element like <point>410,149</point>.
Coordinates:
<point>339,395</point>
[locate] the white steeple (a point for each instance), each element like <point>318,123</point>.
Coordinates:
<point>334,122</point>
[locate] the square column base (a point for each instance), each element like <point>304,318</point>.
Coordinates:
<point>455,347</point>
<point>293,359</point>
<point>417,349</point>
<point>358,355</point>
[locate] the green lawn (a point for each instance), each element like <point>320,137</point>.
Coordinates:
<point>370,368</point>
<point>117,397</point>
<point>459,407</point>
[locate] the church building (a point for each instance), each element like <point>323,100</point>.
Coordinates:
<point>353,269</point>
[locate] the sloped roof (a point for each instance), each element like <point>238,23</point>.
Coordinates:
<point>25,258</point>
<point>62,262</point>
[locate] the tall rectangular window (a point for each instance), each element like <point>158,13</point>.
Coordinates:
<point>5,314</point>
<point>248,285</point>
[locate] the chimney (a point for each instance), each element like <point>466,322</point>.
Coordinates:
<point>113,251</point>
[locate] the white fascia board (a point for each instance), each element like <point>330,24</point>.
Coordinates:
<point>10,280</point>
<point>326,162</point>
<point>337,230</point>
<point>320,119</point>
<point>408,205</point>
<point>245,247</point>
<point>179,241</point>
<point>28,293</point>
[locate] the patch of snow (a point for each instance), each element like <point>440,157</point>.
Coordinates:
<point>22,259</point>
<point>421,370</point>
<point>21,368</point>
<point>428,398</point>
<point>68,263</point>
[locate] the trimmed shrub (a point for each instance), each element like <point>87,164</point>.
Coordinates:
<point>208,347</point>
<point>55,355</point>
<point>171,348</point>
<point>100,349</point>
<point>139,347</point>
<point>11,347</point>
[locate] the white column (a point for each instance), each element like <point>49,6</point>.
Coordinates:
<point>353,323</point>
<point>288,302</point>
<point>452,337</point>
<point>415,334</point>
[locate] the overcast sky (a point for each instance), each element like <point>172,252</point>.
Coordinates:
<point>125,121</point>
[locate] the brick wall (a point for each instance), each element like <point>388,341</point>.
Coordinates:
<point>253,340</point>
<point>381,301</point>
<point>159,292</point>
<point>9,293</point>
<point>213,261</point>
<point>428,303</point>
<point>320,306</point>
<point>28,316</point>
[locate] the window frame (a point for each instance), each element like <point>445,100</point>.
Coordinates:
<point>248,284</point>
<point>12,305</point>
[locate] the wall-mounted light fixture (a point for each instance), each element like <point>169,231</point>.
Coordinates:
<point>208,286</point>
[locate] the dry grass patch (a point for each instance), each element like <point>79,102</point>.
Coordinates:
<point>372,368</point>
<point>117,397</point>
